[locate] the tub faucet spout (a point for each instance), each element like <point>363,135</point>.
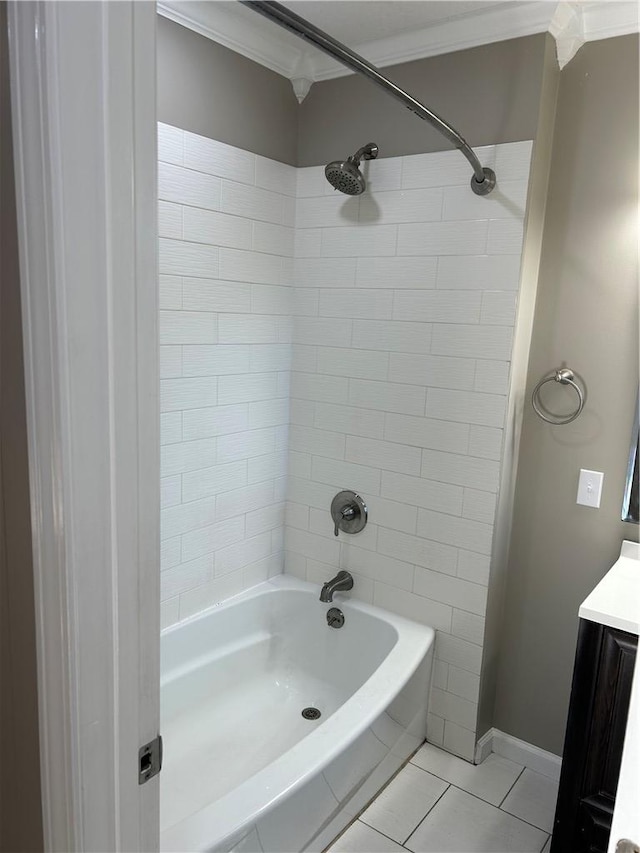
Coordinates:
<point>342,580</point>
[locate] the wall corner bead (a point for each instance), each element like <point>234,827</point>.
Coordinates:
<point>567,28</point>
<point>301,86</point>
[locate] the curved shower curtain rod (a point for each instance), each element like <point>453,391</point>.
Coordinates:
<point>483,180</point>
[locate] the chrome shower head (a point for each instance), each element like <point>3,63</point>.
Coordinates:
<point>344,175</point>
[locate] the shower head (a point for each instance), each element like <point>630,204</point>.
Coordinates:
<point>344,175</point>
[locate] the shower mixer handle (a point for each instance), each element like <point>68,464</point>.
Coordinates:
<point>349,512</point>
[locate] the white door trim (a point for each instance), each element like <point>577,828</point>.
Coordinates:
<point>83,106</point>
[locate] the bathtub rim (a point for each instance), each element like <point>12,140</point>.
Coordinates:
<point>270,587</point>
<point>260,793</point>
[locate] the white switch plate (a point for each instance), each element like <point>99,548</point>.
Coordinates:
<point>590,488</point>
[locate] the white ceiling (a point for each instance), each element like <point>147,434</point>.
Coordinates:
<point>387,32</point>
<point>361,21</point>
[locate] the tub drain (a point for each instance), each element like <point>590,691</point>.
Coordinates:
<point>311,713</point>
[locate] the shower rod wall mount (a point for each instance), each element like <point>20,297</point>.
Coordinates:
<point>483,179</point>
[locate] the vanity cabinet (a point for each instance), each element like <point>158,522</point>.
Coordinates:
<point>598,710</point>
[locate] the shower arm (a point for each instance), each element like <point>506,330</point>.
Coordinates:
<point>483,180</point>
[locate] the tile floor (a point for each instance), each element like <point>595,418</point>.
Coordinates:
<point>441,804</point>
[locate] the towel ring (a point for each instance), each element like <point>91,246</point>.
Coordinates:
<point>564,376</point>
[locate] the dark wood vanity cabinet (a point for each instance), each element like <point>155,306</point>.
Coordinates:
<point>594,739</point>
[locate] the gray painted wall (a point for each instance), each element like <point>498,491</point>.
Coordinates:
<point>587,316</point>
<point>489,94</point>
<point>20,809</point>
<point>529,276</point>
<point>213,91</point>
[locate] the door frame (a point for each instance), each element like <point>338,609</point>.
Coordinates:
<point>84,129</point>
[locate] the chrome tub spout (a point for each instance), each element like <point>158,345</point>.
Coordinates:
<point>342,581</point>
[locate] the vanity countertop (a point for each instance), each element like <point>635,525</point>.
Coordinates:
<point>616,599</point>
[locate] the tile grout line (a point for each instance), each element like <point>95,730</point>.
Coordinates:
<point>477,797</point>
<point>511,789</point>
<point>522,820</point>
<point>427,813</point>
<point>487,803</point>
<point>379,831</point>
<point>358,817</point>
<point>515,817</point>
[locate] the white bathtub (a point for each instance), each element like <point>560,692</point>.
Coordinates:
<point>243,770</point>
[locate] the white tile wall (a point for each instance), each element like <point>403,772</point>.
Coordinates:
<point>402,395</point>
<point>226,298</point>
<point>394,312</point>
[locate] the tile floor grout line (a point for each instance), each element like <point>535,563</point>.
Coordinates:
<point>442,779</point>
<point>449,785</point>
<point>545,843</point>
<point>504,811</point>
<point>511,789</point>
<point>365,808</point>
<point>428,812</point>
<point>379,831</point>
<point>522,820</point>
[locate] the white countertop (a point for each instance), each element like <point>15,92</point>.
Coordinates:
<point>616,599</point>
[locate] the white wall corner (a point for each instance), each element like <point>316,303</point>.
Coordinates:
<point>567,28</point>
<point>301,86</point>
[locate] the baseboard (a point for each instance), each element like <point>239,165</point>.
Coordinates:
<point>484,746</point>
<point>519,751</point>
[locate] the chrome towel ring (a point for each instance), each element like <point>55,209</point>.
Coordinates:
<point>565,376</point>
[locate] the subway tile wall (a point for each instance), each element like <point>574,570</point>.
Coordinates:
<point>226,228</point>
<point>405,303</point>
<point>359,343</point>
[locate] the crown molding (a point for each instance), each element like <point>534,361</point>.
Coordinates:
<point>467,31</point>
<point>570,23</point>
<point>301,86</point>
<point>573,24</point>
<point>610,19</point>
<point>567,28</point>
<point>269,46</point>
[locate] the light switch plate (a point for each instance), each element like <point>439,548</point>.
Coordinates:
<point>590,488</point>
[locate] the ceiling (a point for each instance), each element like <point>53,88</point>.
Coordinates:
<point>388,32</point>
<point>359,21</point>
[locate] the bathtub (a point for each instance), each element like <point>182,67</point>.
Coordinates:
<point>243,770</point>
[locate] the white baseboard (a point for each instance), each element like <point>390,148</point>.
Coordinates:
<point>519,751</point>
<point>484,747</point>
